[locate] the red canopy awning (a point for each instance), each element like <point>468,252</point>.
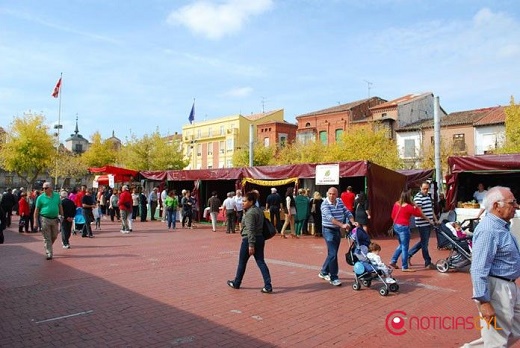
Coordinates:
<point>120,174</point>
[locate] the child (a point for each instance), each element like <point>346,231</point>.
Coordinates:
<point>97,212</point>
<point>373,255</point>
<point>460,233</point>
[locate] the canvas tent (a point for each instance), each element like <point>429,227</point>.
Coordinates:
<point>120,174</point>
<point>466,172</point>
<point>383,185</point>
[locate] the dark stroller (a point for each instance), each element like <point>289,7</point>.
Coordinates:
<point>459,257</point>
<point>79,221</point>
<point>364,271</point>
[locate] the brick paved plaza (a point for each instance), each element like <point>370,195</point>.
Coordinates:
<point>154,288</point>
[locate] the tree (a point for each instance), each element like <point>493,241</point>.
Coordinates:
<point>512,141</point>
<point>446,150</point>
<point>152,152</point>
<point>100,153</point>
<point>69,166</point>
<point>262,156</point>
<point>28,148</point>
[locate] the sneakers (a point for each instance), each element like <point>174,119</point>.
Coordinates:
<point>324,276</point>
<point>66,246</point>
<point>49,257</point>
<point>390,280</point>
<point>431,266</point>
<point>231,284</point>
<point>266,290</point>
<point>124,232</point>
<point>335,282</point>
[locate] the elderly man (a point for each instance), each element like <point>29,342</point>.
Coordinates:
<point>48,207</point>
<point>494,270</point>
<point>335,216</point>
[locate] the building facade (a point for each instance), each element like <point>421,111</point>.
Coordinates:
<point>211,144</point>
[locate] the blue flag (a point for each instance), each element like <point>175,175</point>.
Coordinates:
<point>192,114</point>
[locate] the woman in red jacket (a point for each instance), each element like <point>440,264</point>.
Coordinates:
<point>403,209</point>
<point>25,212</point>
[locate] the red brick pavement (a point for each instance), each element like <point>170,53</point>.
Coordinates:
<point>158,288</point>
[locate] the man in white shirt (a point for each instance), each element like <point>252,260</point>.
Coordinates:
<point>230,207</point>
<point>164,194</point>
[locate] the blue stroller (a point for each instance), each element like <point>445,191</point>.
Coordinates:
<point>79,221</point>
<point>364,271</point>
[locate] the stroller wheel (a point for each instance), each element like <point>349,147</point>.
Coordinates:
<point>442,266</point>
<point>356,286</point>
<point>366,283</point>
<point>383,291</point>
<point>394,287</point>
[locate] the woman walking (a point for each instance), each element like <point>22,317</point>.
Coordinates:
<point>403,209</point>
<point>362,212</point>
<point>253,243</point>
<point>315,208</point>
<point>290,212</point>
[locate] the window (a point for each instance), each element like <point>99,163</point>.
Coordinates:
<point>459,144</point>
<point>210,132</point>
<point>210,149</point>
<point>308,124</point>
<point>409,148</point>
<point>229,163</point>
<point>221,147</point>
<point>199,134</point>
<point>338,134</point>
<point>229,145</point>
<point>222,132</point>
<point>323,137</point>
<point>199,149</point>
<point>266,142</point>
<point>282,140</point>
<point>78,148</point>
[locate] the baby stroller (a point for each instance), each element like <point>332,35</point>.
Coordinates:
<point>459,257</point>
<point>364,271</point>
<point>79,221</point>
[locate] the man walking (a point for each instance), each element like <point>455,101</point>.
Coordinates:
<point>494,270</point>
<point>48,207</point>
<point>88,203</point>
<point>273,203</point>
<point>153,198</point>
<point>214,206</point>
<point>423,200</point>
<point>69,211</point>
<point>125,207</point>
<point>335,216</point>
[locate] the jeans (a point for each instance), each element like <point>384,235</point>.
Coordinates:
<point>171,217</point>
<point>125,216</point>
<point>274,213</point>
<point>66,229</point>
<point>333,239</point>
<point>403,235</point>
<point>214,215</point>
<point>243,257</point>
<point>50,232</point>
<point>87,229</point>
<point>424,232</point>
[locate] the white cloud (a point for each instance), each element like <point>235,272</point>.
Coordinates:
<point>215,21</point>
<point>240,92</point>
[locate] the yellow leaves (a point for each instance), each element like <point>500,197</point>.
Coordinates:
<point>512,141</point>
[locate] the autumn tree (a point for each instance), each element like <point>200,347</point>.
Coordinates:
<point>364,143</point>
<point>69,166</point>
<point>152,152</point>
<point>28,148</point>
<point>446,150</point>
<point>262,156</point>
<point>512,140</point>
<point>100,153</point>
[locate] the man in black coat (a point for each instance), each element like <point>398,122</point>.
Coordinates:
<point>69,211</point>
<point>8,202</point>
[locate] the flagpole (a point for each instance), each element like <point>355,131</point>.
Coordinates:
<point>58,127</point>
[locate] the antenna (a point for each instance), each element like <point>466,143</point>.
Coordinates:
<point>369,86</point>
<point>263,105</point>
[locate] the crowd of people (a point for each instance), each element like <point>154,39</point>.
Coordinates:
<point>496,254</point>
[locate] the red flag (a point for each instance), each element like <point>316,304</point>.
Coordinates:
<point>57,89</point>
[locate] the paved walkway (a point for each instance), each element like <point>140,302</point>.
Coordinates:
<point>158,288</point>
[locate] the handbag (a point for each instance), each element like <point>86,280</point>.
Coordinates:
<point>268,230</point>
<point>391,231</point>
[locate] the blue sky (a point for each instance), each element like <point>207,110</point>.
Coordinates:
<point>134,67</point>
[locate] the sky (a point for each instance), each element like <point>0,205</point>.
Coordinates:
<point>135,67</point>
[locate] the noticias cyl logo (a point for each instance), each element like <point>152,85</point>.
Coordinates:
<point>395,323</point>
